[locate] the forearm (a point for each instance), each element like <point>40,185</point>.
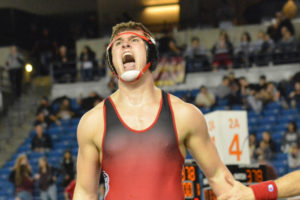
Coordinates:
<point>288,185</point>
<point>81,193</point>
<point>218,181</point>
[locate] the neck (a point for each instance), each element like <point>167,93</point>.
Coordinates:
<point>137,93</point>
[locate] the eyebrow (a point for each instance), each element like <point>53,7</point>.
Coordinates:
<point>130,37</point>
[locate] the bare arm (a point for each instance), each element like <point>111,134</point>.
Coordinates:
<point>202,148</point>
<point>288,186</point>
<point>88,160</point>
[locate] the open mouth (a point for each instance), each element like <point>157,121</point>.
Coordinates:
<point>128,61</point>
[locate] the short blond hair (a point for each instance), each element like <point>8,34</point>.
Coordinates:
<point>126,26</point>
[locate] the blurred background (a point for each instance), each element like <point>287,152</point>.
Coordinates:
<point>216,54</point>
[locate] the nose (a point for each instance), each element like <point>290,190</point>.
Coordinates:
<point>125,44</point>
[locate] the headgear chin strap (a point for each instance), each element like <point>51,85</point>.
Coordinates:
<point>133,75</point>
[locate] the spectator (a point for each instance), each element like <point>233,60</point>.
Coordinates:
<point>45,52</point>
<point>244,51</point>
<point>294,157</point>
<point>232,78</point>
<point>270,93</point>
<point>65,111</point>
<point>284,21</point>
<point>235,97</point>
<point>205,98</point>
<point>167,45</point>
<point>223,90</point>
<point>21,177</point>
<point>263,49</point>
<point>48,114</point>
<point>294,96</point>
<point>254,100</point>
<point>67,168</point>
<point>222,52</point>
<point>287,44</point>
<point>40,119</point>
<point>47,178</point>
<point>196,56</point>
<point>290,138</point>
<point>64,69</point>
<point>89,102</point>
<point>15,63</point>
<point>274,30</point>
<point>101,68</point>
<point>267,138</point>
<point>262,84</point>
<point>41,142</point>
<point>263,152</point>
<point>252,146</point>
<point>244,87</point>
<point>87,60</point>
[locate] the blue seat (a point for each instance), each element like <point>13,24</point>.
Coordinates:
<point>289,112</point>
<point>274,105</point>
<point>271,112</point>
<point>267,120</point>
<point>281,167</point>
<point>222,102</point>
<point>252,114</point>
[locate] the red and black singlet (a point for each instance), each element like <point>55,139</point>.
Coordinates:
<point>144,164</point>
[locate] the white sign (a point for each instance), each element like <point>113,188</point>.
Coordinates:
<point>229,132</point>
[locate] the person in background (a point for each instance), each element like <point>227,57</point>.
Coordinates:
<point>167,45</point>
<point>88,103</point>
<point>254,100</point>
<point>15,63</point>
<point>21,177</point>
<point>267,138</point>
<point>196,56</point>
<point>47,180</point>
<point>87,60</point>
<point>64,69</point>
<point>65,111</point>
<point>205,98</point>
<point>224,89</point>
<point>41,142</point>
<point>294,157</point>
<point>67,168</point>
<point>294,95</point>
<point>287,45</point>
<point>252,146</point>
<point>290,138</point>
<point>244,51</point>
<point>222,52</point>
<point>263,152</point>
<point>46,109</point>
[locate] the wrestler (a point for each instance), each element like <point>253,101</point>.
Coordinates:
<point>139,136</point>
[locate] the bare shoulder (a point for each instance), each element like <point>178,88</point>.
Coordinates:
<point>91,123</point>
<point>185,110</point>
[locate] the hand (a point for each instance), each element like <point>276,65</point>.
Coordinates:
<point>237,192</point>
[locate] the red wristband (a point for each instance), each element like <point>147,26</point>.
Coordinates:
<point>266,190</point>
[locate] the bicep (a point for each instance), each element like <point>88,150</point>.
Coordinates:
<point>88,168</point>
<point>88,164</point>
<point>205,153</point>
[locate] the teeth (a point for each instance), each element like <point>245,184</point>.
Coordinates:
<point>127,53</point>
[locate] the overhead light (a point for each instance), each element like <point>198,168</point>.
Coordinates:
<point>28,67</point>
<point>159,2</point>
